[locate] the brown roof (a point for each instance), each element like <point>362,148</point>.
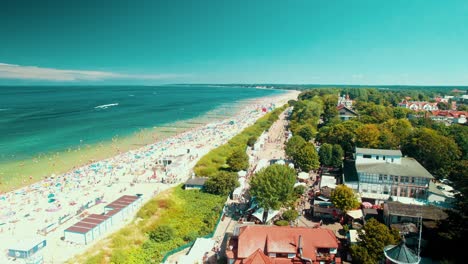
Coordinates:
<point>76,229</point>
<point>412,210</point>
<point>196,181</point>
<point>257,258</point>
<point>97,216</point>
<point>284,239</point>
<point>86,224</point>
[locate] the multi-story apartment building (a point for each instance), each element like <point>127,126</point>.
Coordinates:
<point>386,173</point>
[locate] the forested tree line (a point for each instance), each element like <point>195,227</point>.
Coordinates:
<point>441,149</point>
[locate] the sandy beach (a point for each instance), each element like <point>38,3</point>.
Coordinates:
<point>46,208</point>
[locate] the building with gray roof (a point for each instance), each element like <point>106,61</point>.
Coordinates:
<point>384,173</point>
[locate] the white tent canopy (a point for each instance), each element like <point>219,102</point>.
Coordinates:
<point>242,173</point>
<point>355,214</point>
<point>303,175</point>
<point>259,214</point>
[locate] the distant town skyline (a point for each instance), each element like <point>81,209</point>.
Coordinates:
<point>152,42</point>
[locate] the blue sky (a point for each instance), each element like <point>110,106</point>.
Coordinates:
<point>419,42</point>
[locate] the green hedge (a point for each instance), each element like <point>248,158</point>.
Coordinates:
<point>212,162</point>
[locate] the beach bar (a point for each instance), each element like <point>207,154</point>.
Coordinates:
<point>95,225</point>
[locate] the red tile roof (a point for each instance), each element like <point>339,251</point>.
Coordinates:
<point>283,239</point>
<point>257,258</point>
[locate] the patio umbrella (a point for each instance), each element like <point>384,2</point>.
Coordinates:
<point>50,195</point>
<point>367,205</point>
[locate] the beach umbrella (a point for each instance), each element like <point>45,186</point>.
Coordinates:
<point>51,200</point>
<point>50,195</point>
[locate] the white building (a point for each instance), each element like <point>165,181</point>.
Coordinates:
<point>384,173</point>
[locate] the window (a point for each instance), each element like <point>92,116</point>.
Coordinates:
<point>380,177</point>
<point>392,160</point>
<point>367,156</point>
<point>377,157</point>
<point>383,157</point>
<point>412,179</point>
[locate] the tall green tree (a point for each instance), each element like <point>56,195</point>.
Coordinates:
<point>329,107</point>
<point>222,183</point>
<point>343,134</point>
<point>239,160</point>
<point>294,144</point>
<point>273,186</point>
<point>367,136</point>
<point>337,156</point>
<point>325,154</point>
<point>307,132</point>
<point>435,152</point>
<point>374,236</point>
<point>307,158</point>
<point>344,198</point>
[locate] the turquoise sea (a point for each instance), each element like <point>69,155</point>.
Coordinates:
<point>45,119</point>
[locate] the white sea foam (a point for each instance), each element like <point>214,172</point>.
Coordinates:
<point>106,106</point>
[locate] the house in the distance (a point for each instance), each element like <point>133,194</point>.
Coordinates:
<point>345,108</point>
<point>346,113</point>
<point>419,105</point>
<point>282,244</point>
<point>384,173</point>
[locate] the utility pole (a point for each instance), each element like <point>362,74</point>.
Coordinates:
<point>420,234</point>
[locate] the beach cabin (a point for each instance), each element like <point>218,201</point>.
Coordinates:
<point>78,235</point>
<point>95,225</point>
<point>26,248</point>
<point>195,183</point>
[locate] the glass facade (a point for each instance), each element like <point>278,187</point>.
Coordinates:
<point>404,186</point>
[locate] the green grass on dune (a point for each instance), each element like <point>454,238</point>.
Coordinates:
<point>189,213</point>
<point>212,162</point>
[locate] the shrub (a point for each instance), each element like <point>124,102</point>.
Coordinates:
<point>162,233</point>
<point>281,223</point>
<point>299,190</point>
<point>290,215</point>
<point>251,141</point>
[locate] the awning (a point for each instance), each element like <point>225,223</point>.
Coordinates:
<point>259,214</point>
<point>355,214</point>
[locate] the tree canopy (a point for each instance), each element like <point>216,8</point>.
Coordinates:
<point>239,160</point>
<point>325,154</point>
<point>374,236</point>
<point>307,132</point>
<point>273,186</point>
<point>306,158</point>
<point>222,183</point>
<point>293,145</point>
<point>337,156</point>
<point>344,198</point>
<point>434,151</point>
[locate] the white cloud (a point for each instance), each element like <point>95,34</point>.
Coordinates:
<point>11,71</point>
